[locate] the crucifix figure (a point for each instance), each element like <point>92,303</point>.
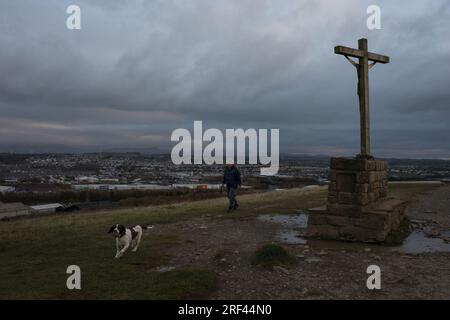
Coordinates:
<point>362,67</point>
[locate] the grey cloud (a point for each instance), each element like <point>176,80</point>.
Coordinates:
<point>139,69</point>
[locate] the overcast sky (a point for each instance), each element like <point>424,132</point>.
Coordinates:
<point>139,69</point>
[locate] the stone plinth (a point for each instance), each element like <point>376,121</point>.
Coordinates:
<point>358,208</point>
<point>357,182</point>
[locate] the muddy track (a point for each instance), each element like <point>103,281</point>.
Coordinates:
<point>324,270</point>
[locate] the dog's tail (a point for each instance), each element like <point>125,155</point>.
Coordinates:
<point>148,227</point>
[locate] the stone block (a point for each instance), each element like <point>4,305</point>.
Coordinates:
<point>344,210</point>
<point>352,233</point>
<point>345,182</point>
<point>323,232</point>
<point>332,187</point>
<point>317,219</point>
<point>332,199</point>
<point>370,222</point>
<point>346,197</point>
<point>319,210</point>
<point>364,177</point>
<point>373,196</point>
<point>338,221</point>
<point>381,165</point>
<point>343,164</point>
<point>362,188</point>
<point>332,176</point>
<point>363,199</point>
<point>358,234</point>
<point>332,193</point>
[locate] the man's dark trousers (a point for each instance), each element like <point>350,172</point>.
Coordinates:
<point>231,193</point>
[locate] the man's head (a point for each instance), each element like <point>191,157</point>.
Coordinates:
<point>230,163</point>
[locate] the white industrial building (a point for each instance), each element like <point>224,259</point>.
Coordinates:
<point>119,187</point>
<point>5,189</point>
<point>46,208</point>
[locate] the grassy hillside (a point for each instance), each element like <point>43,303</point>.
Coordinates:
<point>35,253</point>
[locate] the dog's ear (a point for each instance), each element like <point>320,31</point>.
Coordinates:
<point>111,229</point>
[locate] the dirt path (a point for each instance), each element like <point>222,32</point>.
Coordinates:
<point>324,270</point>
<point>432,213</point>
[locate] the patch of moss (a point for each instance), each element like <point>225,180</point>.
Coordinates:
<point>272,255</point>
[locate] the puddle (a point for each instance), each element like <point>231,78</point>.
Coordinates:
<point>290,237</point>
<point>418,242</point>
<point>287,220</point>
<point>293,226</point>
<point>165,269</point>
<point>445,234</point>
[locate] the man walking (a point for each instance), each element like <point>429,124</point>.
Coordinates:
<point>232,179</point>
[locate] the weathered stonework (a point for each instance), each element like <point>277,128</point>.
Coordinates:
<point>358,208</point>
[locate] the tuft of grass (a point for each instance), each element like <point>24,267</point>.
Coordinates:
<point>190,283</point>
<point>272,255</point>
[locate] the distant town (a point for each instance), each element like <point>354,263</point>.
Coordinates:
<point>46,183</point>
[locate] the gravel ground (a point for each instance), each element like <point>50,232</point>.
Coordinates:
<point>324,270</point>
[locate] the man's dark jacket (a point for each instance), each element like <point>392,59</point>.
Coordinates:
<point>232,177</point>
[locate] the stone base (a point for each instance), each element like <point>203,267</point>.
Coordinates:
<point>356,181</point>
<point>357,208</point>
<point>372,223</point>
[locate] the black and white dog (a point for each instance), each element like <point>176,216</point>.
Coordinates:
<point>126,237</point>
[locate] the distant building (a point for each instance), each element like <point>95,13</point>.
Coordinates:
<point>119,187</point>
<point>85,179</point>
<point>202,186</point>
<point>11,180</point>
<point>47,208</point>
<point>5,189</point>
<point>12,210</point>
<point>109,180</point>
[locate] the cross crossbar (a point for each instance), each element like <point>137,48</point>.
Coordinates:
<point>355,53</point>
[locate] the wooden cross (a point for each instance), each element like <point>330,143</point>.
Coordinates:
<point>364,56</point>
